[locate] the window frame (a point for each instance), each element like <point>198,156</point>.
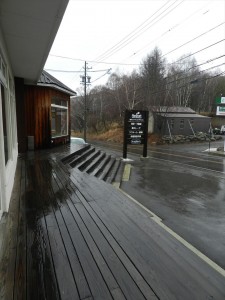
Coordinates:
<point>63,108</point>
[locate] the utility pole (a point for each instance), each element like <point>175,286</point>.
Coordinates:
<point>85,101</point>
<point>85,80</point>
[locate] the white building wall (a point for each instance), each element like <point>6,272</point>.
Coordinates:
<point>7,169</point>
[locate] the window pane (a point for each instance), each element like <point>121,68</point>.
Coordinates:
<point>59,102</point>
<point>59,121</point>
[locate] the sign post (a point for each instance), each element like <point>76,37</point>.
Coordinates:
<point>135,130</point>
<point>220,110</point>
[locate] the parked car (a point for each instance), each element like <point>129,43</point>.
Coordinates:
<point>77,140</point>
<point>216,130</point>
<point>222,129</point>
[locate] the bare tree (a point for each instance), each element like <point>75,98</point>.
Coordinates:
<point>152,71</point>
<point>180,79</point>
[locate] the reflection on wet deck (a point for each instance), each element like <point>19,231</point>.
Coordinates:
<point>59,244</point>
<point>72,236</point>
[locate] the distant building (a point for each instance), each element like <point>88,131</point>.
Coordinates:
<point>177,120</point>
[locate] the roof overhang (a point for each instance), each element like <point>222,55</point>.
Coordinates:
<point>58,88</point>
<point>184,116</point>
<point>49,81</point>
<point>29,28</point>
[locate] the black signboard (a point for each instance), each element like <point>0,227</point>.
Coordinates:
<point>135,130</point>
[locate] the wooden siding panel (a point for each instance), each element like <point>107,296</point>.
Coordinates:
<point>38,114</point>
<point>29,111</point>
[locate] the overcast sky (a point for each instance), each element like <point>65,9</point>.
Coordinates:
<point>119,34</point>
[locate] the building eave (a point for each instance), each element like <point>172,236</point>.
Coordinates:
<point>29,28</point>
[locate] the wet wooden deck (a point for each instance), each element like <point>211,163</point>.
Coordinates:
<point>72,236</point>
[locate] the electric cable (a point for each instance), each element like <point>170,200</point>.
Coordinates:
<point>126,64</point>
<point>167,32</point>
<point>128,35</point>
<point>115,48</point>
<point>73,71</point>
<point>194,39</point>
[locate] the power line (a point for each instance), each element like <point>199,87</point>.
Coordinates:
<point>124,42</point>
<point>73,71</point>
<point>101,76</point>
<point>128,36</point>
<point>202,71</point>
<point>126,64</point>
<point>200,50</point>
<point>185,85</point>
<point>194,39</point>
<point>93,61</point>
<point>168,31</point>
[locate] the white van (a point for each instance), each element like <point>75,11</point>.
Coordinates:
<point>222,129</point>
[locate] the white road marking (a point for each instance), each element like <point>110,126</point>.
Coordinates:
<point>156,219</point>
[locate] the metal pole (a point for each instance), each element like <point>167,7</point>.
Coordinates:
<point>85,100</point>
<point>145,147</point>
<point>125,135</point>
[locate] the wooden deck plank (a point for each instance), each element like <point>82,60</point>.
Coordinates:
<point>70,222</point>
<point>96,214</point>
<point>35,283</point>
<point>140,281</point>
<point>95,280</point>
<point>41,282</point>
<point>108,277</point>
<point>62,184</point>
<point>78,273</point>
<point>9,247</point>
<point>50,280</point>
<point>166,276</point>
<point>111,283</point>
<point>101,262</point>
<point>64,275</point>
<point>130,237</point>
<point>85,240</point>
<point>66,283</point>
<point>127,285</point>
<point>20,273</point>
<point>144,287</point>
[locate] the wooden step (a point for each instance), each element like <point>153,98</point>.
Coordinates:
<point>80,158</point>
<point>67,159</point>
<point>101,167</point>
<point>95,163</point>
<point>88,160</point>
<point>113,171</point>
<point>107,169</point>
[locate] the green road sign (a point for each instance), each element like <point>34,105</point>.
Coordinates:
<point>220,100</point>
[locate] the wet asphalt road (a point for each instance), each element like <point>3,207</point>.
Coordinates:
<point>185,187</point>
